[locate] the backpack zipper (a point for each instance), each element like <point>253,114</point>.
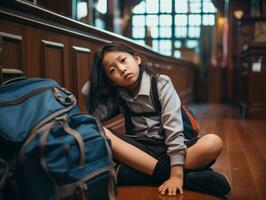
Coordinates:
<point>25,97</point>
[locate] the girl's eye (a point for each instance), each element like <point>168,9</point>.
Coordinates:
<point>112,71</point>
<point>123,59</point>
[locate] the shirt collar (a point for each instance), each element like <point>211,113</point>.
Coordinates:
<point>145,84</point>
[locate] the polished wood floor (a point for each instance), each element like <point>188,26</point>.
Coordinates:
<point>243,159</point>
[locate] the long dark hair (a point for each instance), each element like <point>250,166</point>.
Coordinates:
<point>101,91</point>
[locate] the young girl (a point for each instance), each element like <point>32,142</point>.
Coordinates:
<point>120,77</point>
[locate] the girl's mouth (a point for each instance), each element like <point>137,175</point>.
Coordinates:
<point>129,75</point>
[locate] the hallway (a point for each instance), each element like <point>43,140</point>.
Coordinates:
<point>243,159</point>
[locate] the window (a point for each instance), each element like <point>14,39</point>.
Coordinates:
<point>172,24</point>
<point>100,14</point>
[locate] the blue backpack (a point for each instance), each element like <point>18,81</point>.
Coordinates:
<point>59,152</point>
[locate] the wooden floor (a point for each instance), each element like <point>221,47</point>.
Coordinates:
<point>243,159</point>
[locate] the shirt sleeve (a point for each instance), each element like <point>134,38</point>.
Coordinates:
<point>171,119</point>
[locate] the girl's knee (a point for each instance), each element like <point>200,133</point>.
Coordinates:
<point>214,143</point>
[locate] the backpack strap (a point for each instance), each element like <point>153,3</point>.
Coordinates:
<point>127,114</point>
<point>154,93</point>
<point>4,170</point>
<point>155,99</point>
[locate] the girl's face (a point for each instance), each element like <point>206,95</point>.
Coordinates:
<point>121,68</point>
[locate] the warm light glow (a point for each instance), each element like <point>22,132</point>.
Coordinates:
<point>221,20</point>
<point>238,14</point>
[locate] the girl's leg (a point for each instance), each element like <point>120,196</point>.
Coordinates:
<point>131,155</point>
<point>198,155</point>
<point>203,152</point>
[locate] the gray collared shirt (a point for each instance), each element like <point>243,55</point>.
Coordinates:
<point>170,116</point>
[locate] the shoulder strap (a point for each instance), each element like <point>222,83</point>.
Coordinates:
<point>154,93</point>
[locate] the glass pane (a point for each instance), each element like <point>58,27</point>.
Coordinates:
<point>177,54</point>
<point>82,10</point>
<point>178,44</point>
<point>208,20</point>
<point>165,45</point>
<point>192,43</point>
<point>154,32</point>
<point>195,7</point>
<point>138,32</point>
<point>181,6</point>
<point>100,23</point>
<point>165,20</point>
<point>194,31</point>
<point>152,20</point>
<point>181,20</point>
<point>152,6</point>
<point>138,20</point>
<point>180,31</point>
<point>208,7</point>
<point>166,32</point>
<point>102,6</point>
<point>166,6</point>
<point>194,19</point>
<point>141,42</point>
<point>166,52</point>
<point>155,45</point>
<point>140,8</point>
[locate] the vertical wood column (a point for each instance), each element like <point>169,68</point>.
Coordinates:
<point>53,61</point>
<point>81,71</point>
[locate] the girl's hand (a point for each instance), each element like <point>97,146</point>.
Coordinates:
<point>174,183</point>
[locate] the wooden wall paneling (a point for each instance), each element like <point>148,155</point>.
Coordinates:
<point>53,61</point>
<point>182,79</point>
<point>1,59</point>
<point>81,64</point>
<point>12,50</point>
<point>255,55</point>
<point>257,96</point>
<point>34,52</point>
<point>259,89</point>
<point>12,57</point>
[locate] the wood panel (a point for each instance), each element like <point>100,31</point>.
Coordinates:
<point>1,59</point>
<point>53,61</point>
<point>259,89</point>
<point>12,50</point>
<point>253,54</point>
<point>81,62</point>
<point>11,55</point>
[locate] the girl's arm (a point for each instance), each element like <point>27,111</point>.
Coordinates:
<point>171,120</point>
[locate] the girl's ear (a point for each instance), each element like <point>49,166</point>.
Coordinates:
<point>138,59</point>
